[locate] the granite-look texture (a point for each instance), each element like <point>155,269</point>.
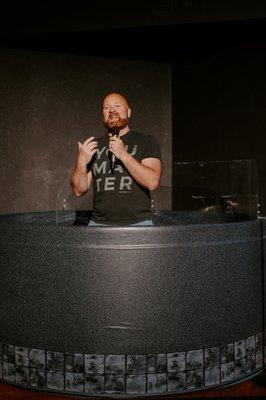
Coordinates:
<point>137,309</point>
<point>129,290</point>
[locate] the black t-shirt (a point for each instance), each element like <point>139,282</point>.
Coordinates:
<point>118,198</point>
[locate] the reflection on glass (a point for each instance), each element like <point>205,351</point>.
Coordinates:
<point>210,192</point>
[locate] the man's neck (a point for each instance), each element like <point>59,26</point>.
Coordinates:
<point>124,131</point>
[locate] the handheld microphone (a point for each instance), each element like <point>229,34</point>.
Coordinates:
<point>115,132</point>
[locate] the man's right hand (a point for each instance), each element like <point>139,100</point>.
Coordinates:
<point>86,151</point>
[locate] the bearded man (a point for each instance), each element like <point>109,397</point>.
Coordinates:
<point>121,195</point>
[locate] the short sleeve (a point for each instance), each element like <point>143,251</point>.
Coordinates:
<point>152,148</point>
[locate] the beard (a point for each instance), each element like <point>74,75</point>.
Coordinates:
<point>121,123</point>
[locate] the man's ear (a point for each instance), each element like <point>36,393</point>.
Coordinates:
<point>129,112</point>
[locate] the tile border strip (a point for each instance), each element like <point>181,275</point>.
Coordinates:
<point>131,374</point>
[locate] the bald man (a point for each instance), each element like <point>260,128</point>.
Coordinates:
<point>120,196</point>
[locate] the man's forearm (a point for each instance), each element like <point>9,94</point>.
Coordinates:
<point>142,174</point>
<point>79,180</point>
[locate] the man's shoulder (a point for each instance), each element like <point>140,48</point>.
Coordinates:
<point>142,136</point>
<point>150,146</point>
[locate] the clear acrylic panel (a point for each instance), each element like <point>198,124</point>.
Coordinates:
<point>210,192</point>
<point>71,209</point>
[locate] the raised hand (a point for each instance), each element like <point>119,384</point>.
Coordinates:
<point>86,150</point>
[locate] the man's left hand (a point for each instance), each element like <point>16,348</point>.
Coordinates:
<point>117,147</point>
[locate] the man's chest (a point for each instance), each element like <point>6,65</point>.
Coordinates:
<point>118,180</point>
<point>102,161</point>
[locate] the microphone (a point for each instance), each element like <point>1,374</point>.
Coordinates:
<point>115,132</point>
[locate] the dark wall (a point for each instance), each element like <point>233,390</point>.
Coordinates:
<point>219,103</point>
<point>49,102</point>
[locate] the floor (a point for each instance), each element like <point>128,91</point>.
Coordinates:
<point>254,388</point>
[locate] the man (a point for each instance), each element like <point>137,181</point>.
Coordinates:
<point>121,195</point>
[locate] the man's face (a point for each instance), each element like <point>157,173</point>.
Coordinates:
<point>116,111</point>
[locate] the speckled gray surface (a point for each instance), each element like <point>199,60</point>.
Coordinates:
<point>123,310</point>
<point>129,290</point>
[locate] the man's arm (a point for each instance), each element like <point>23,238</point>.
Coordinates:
<point>80,178</point>
<point>147,173</point>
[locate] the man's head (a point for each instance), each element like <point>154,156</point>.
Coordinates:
<point>116,111</point>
